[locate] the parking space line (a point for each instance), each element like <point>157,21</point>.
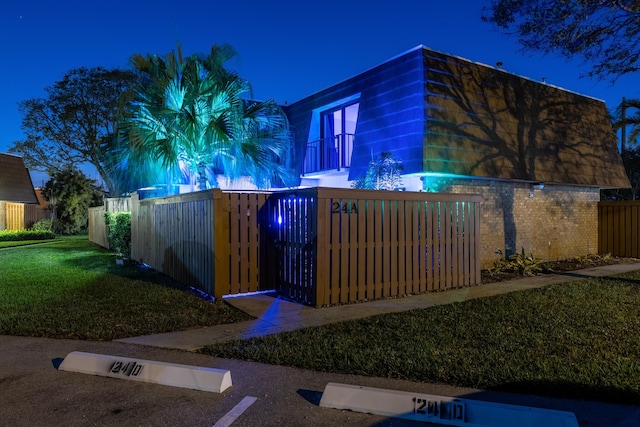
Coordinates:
<point>234,413</point>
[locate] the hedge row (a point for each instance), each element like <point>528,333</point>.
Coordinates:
<point>13,236</point>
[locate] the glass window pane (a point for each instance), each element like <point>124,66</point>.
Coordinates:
<point>351,118</point>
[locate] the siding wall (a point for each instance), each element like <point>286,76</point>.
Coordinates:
<point>390,118</point>
<point>485,122</point>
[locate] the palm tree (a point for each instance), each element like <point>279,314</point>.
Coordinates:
<point>127,169</point>
<point>629,124</point>
<point>190,115</point>
<point>622,119</point>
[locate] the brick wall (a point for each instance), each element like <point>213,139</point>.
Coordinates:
<point>557,222</point>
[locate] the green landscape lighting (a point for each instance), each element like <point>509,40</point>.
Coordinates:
<point>435,182</point>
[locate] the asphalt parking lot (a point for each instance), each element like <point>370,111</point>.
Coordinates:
<point>34,393</point>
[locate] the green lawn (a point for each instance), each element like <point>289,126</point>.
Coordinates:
<point>578,340</point>
<point>72,289</point>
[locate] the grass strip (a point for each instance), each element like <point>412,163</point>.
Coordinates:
<point>73,289</point>
<point>577,340</point>
<point>13,244</point>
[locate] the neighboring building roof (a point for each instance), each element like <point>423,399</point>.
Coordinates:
<point>15,181</point>
<point>42,200</point>
<point>482,121</point>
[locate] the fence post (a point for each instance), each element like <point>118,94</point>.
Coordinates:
<point>135,226</point>
<point>221,238</point>
<point>3,215</point>
<point>323,272</point>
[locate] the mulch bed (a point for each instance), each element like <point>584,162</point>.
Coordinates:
<point>552,267</point>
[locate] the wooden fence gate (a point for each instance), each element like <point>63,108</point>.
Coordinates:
<point>335,246</point>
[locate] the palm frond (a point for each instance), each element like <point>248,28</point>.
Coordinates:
<point>190,113</point>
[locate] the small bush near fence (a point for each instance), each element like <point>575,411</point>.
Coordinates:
<point>13,236</point>
<point>119,232</point>
<point>42,225</point>
<point>524,265</point>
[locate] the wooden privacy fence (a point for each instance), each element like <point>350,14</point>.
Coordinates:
<point>317,246</point>
<point>341,245</point>
<point>14,216</point>
<point>97,225</point>
<point>19,216</point>
<point>35,213</point>
<point>618,230</point>
<point>208,239</point>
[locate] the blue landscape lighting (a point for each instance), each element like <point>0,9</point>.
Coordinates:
<point>270,291</point>
<point>270,321</point>
<point>202,294</point>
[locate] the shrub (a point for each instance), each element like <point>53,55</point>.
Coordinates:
<point>69,194</point>
<point>383,173</point>
<point>525,265</point>
<point>14,236</point>
<point>119,232</point>
<point>592,258</point>
<point>65,228</point>
<point>42,225</point>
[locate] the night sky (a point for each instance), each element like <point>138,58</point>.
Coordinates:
<point>287,49</point>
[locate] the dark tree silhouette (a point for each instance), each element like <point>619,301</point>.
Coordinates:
<point>70,193</point>
<point>604,33</point>
<point>66,128</point>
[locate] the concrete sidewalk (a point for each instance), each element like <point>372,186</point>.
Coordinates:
<point>274,314</point>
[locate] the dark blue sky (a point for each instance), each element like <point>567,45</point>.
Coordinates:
<point>287,49</point>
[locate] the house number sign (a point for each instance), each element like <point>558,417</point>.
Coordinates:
<point>340,207</point>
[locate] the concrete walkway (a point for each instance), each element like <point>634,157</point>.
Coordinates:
<point>274,314</point>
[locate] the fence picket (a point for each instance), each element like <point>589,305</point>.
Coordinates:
<point>401,268</point>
